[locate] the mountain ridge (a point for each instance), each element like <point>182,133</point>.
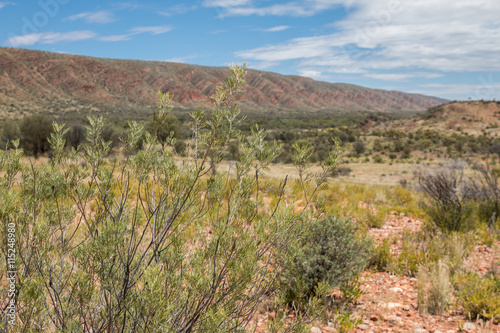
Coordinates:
<point>32,81</point>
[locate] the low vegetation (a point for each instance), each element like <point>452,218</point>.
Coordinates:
<point>139,228</point>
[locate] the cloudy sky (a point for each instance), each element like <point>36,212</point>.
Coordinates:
<point>445,48</point>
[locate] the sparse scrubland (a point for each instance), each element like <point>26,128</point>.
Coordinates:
<point>174,225</point>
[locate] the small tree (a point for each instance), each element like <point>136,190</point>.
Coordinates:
<point>359,147</point>
<point>35,130</point>
<point>165,129</point>
<point>75,136</point>
<point>10,132</point>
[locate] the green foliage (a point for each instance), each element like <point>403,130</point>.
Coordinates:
<point>412,255</point>
<point>359,147</point>
<point>143,243</point>
<point>480,296</point>
<point>35,130</point>
<point>427,249</point>
<point>75,136</point>
<point>329,251</point>
<point>378,159</point>
<point>351,290</point>
<point>381,258</point>
<point>373,219</point>
<point>347,322</point>
<point>10,132</point>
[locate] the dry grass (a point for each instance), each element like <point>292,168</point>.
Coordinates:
<point>433,288</point>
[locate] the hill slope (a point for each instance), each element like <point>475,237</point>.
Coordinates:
<point>35,81</point>
<point>474,117</point>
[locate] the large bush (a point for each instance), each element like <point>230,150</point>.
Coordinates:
<point>35,130</point>
<point>329,252</point>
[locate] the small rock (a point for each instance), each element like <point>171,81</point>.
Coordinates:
<point>315,330</point>
<point>396,290</point>
<point>374,317</point>
<point>406,308</point>
<point>437,331</point>
<point>271,315</point>
<point>419,330</point>
<point>363,327</point>
<point>468,326</point>
<point>450,331</point>
<point>329,330</point>
<point>394,318</point>
<point>393,305</point>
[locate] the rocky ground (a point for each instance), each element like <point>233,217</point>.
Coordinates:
<point>389,302</point>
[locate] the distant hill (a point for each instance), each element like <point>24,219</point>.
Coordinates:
<point>36,81</point>
<point>472,117</point>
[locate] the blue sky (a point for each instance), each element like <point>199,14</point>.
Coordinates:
<point>445,48</point>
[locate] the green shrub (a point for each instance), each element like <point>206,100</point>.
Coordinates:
<point>373,220</point>
<point>378,159</point>
<point>359,147</point>
<point>329,251</point>
<point>411,257</point>
<point>10,132</point>
<point>480,296</point>
<point>382,258</point>
<point>351,290</point>
<point>426,249</point>
<point>35,130</point>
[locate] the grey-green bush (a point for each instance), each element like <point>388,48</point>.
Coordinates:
<point>329,251</point>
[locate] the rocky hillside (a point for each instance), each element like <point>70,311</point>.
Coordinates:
<point>32,81</point>
<point>472,117</point>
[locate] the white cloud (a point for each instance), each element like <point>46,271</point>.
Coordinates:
<point>402,76</point>
<point>225,3</point>
<point>73,36</point>
<point>115,38</point>
<point>262,65</point>
<point>293,8</point>
<point>181,59</point>
<point>382,35</point>
<point>220,31</point>
<point>178,9</point>
<point>156,30</point>
<point>3,4</point>
<point>103,16</point>
<point>474,91</point>
<point>311,73</point>
<point>278,28</point>
<point>49,38</point>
